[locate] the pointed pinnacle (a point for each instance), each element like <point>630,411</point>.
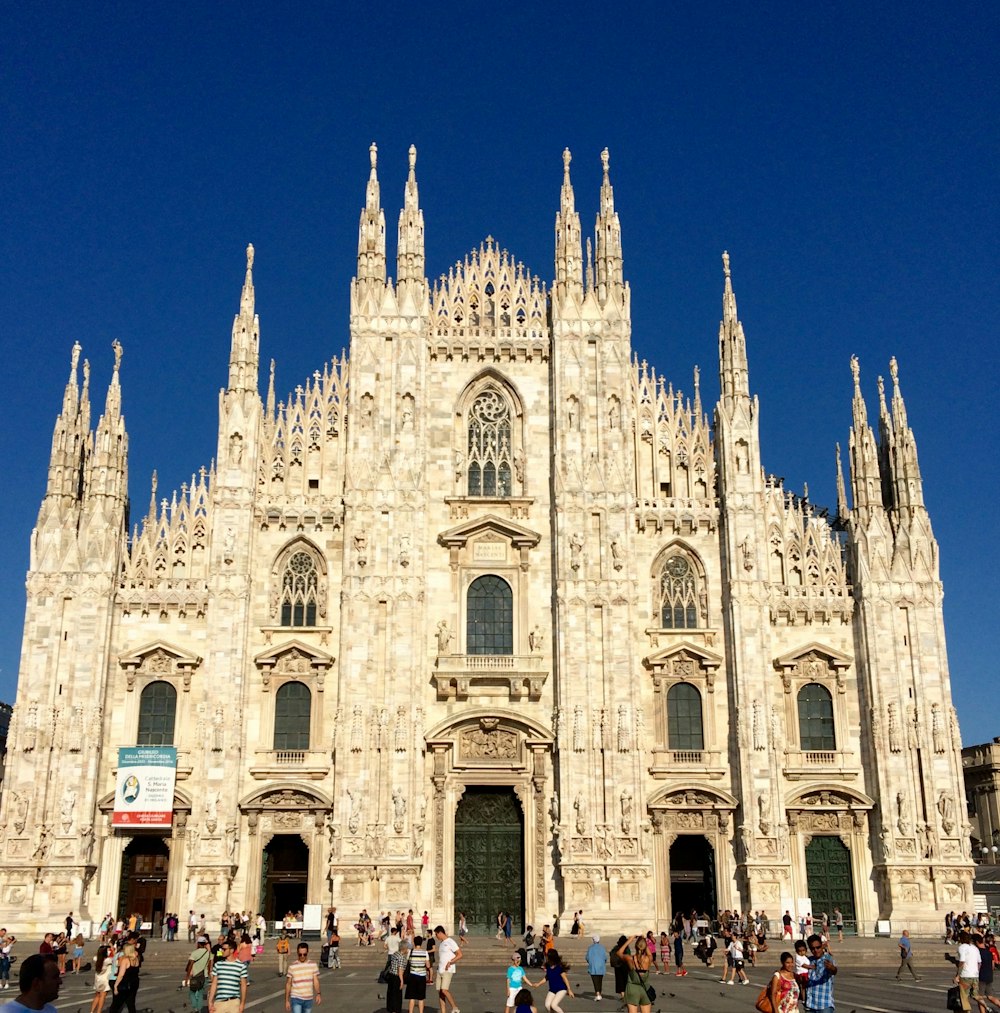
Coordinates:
<point>605,163</point>
<point>373,155</point>
<point>117,347</point>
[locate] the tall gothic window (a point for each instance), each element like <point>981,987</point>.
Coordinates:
<point>157,714</point>
<point>816,731</point>
<point>299,587</point>
<point>678,594</point>
<point>489,623</point>
<point>292,713</point>
<point>490,451</point>
<point>684,725</point>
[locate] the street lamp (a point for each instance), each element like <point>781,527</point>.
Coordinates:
<point>994,849</point>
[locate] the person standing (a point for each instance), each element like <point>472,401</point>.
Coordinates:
<point>515,979</point>
<point>969,961</point>
<point>197,972</point>
<point>282,948</point>
<point>986,964</point>
<point>449,953</point>
<point>786,926</point>
<point>394,982</point>
<point>556,976</point>
<point>463,927</point>
<point>679,955</point>
<point>637,984</point>
<point>192,926</point>
<point>819,994</point>
<point>838,924</point>
<point>228,991</point>
<point>302,982</point>
<point>783,990</point>
<point>597,965</point>
<point>906,956</point>
<point>418,970</point>
<point>127,979</point>
<point>5,959</point>
<point>102,965</point>
<point>39,981</point>
<point>331,924</point>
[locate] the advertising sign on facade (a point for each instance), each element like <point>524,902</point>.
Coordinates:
<point>144,789</point>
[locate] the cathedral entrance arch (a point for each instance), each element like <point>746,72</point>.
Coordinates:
<point>692,875</point>
<point>284,876</point>
<point>489,857</point>
<point>143,884</point>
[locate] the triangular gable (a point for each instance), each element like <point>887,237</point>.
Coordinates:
<point>705,659</point>
<point>791,660</point>
<point>177,654</point>
<point>519,536</point>
<point>315,656</point>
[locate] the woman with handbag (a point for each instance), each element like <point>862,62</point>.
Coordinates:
<point>782,992</point>
<point>638,995</point>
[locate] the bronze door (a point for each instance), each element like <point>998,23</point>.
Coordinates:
<point>830,883</point>
<point>489,858</point>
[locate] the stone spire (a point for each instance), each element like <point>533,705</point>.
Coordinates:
<point>569,249</point>
<point>371,232</point>
<point>842,508</point>
<point>109,461</point>
<point>69,439</point>
<point>866,479</point>
<point>244,349</point>
<point>608,233</point>
<point>734,378</point>
<point>906,478</point>
<point>410,249</point>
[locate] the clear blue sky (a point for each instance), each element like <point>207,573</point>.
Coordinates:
<point>845,154</point>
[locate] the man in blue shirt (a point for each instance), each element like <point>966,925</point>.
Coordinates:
<point>906,956</point>
<point>819,994</point>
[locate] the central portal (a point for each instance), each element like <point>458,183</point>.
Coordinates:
<point>692,875</point>
<point>284,876</point>
<point>489,858</point>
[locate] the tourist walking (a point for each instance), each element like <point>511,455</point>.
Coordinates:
<point>282,948</point>
<point>734,963</point>
<point>906,956</point>
<point>302,982</point>
<point>197,973</point>
<point>449,953</point>
<point>463,927</point>
<point>515,979</point>
<point>418,970</point>
<point>819,994</point>
<point>102,966</point>
<point>558,982</point>
<point>5,960</point>
<point>228,991</point>
<point>679,955</point>
<point>597,965</point>
<point>783,989</point>
<point>126,980</point>
<point>838,924</point>
<point>619,966</point>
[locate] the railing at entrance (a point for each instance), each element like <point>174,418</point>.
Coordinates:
<point>687,756</point>
<point>289,756</point>
<point>824,759</point>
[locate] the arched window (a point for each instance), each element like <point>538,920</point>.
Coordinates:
<point>684,727</point>
<point>299,588</point>
<point>292,712</point>
<point>489,624</point>
<point>157,715</point>
<point>678,593</point>
<point>490,452</point>
<point>816,732</point>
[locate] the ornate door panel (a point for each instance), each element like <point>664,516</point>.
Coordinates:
<point>489,858</point>
<point>829,879</point>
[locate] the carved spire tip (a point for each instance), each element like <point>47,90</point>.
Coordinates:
<point>725,263</point>
<point>249,256</point>
<point>605,163</point>
<point>413,157</point>
<point>373,155</point>
<point>116,346</point>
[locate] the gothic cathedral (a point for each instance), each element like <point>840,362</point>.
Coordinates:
<point>486,615</point>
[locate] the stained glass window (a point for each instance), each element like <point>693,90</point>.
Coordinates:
<point>678,594</point>
<point>299,585</point>
<point>490,454</point>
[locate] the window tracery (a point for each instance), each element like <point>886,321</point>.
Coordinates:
<point>678,593</point>
<point>490,455</point>
<point>300,590</point>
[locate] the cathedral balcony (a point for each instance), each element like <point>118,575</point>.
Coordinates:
<point>800,764</point>
<point>511,676</point>
<point>670,762</point>
<point>310,764</point>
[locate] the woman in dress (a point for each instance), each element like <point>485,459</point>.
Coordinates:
<point>244,952</point>
<point>783,990</point>
<point>637,983</point>
<point>77,952</point>
<point>620,968</point>
<point>126,980</point>
<point>102,965</point>
<point>418,970</point>
<point>555,975</point>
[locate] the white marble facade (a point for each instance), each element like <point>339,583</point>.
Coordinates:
<point>335,543</point>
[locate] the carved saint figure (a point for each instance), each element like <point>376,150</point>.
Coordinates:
<point>361,548</point>
<point>580,805</point>
<point>404,551</point>
<point>617,556</point>
<point>67,808</point>
<point>212,811</point>
<point>41,852</point>
<point>937,728</point>
<point>575,550</point>
<point>354,819</point>
<point>444,636</point>
<point>231,841</point>
<point>895,745</point>
<point>229,545</point>
<point>536,639</point>
<point>625,802</point>
<point>398,810</point>
<point>764,810</point>
<point>87,844</point>
<point>946,807</point>
<point>903,819</point>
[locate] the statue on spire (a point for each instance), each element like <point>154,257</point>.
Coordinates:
<point>116,346</point>
<point>249,256</point>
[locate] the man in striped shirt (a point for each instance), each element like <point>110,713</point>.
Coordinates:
<point>302,983</point>
<point>228,992</point>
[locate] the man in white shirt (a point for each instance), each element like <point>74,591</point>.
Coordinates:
<point>967,978</point>
<point>449,953</point>
<point>39,981</point>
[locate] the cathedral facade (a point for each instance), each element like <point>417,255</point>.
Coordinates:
<point>486,615</point>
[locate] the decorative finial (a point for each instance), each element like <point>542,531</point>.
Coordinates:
<point>697,378</point>
<point>894,371</point>
<point>116,345</point>
<point>86,373</point>
<point>413,157</point>
<point>605,162</point>
<point>249,256</point>
<point>856,371</point>
<point>373,155</point>
<point>725,262</point>
<point>74,359</point>
<point>881,391</point>
<point>567,158</point>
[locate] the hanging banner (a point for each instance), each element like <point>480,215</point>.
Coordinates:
<point>144,790</point>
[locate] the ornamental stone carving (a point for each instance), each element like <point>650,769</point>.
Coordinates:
<point>486,743</point>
